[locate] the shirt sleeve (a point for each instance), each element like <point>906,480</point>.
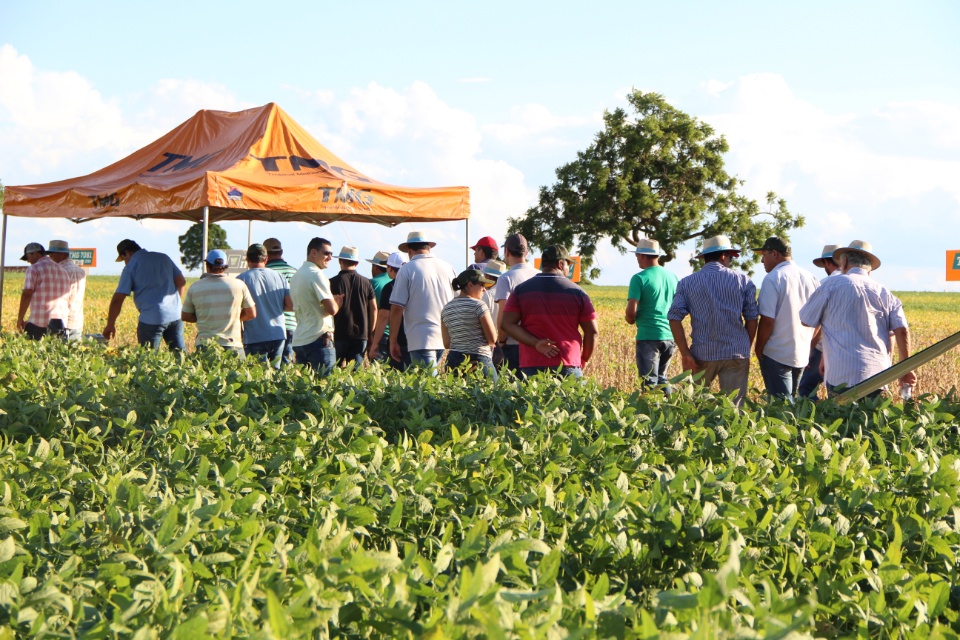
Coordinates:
<point>247,297</point>
<point>30,280</point>
<point>767,302</point>
<point>750,301</point>
<point>401,294</point>
<point>125,286</point>
<point>812,312</point>
<point>587,312</point>
<point>897,318</point>
<point>188,302</point>
<point>321,288</point>
<point>513,304</point>
<point>636,287</point>
<point>679,309</point>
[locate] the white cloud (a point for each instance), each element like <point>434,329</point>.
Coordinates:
<point>714,87</point>
<point>533,120</point>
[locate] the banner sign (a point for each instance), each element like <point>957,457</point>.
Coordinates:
<point>237,259</point>
<point>84,257</point>
<point>953,265</point>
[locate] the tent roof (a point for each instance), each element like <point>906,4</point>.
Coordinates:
<point>257,164</point>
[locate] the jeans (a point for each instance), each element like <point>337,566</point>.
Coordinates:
<point>573,372</point>
<point>779,379</point>
<point>213,344</point>
<point>653,358</point>
<point>455,359</point>
<point>811,379</point>
<point>55,329</point>
<point>270,351</point>
<point>170,332</point>
<point>511,357</point>
<point>426,358</point>
<point>320,355</point>
<point>833,393</point>
<point>350,351</point>
<point>73,334</point>
<point>287,356</point>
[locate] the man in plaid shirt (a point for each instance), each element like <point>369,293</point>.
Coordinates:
<point>46,291</point>
<point>59,252</point>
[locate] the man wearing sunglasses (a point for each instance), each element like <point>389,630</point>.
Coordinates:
<point>315,307</point>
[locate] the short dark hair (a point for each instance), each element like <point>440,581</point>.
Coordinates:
<point>489,252</point>
<point>418,246</point>
<point>378,269</point>
<point>216,268</point>
<point>716,255</point>
<point>317,244</point>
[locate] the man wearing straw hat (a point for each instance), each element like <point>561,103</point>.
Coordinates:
<point>59,252</point>
<point>811,379</point>
<point>783,343</point>
<point>353,325</point>
<point>856,315</point>
<point>380,278</point>
<point>648,302</point>
<point>722,305</point>
<point>421,289</point>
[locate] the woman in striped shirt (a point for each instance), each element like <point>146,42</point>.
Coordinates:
<point>468,330</point>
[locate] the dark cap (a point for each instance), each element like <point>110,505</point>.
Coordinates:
<point>516,243</point>
<point>774,243</point>
<point>124,246</point>
<point>256,253</point>
<point>468,276</point>
<point>553,253</point>
<point>33,247</point>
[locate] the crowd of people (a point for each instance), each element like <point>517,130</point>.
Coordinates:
<point>500,314</point>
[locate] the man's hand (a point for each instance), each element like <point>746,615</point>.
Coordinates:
<point>547,347</point>
<point>21,324</point>
<point>689,363</point>
<point>109,332</point>
<point>908,378</point>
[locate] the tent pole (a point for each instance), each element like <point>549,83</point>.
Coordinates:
<point>249,232</point>
<point>206,233</point>
<point>3,258</point>
<point>466,245</point>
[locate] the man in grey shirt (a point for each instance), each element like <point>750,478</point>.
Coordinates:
<point>515,255</point>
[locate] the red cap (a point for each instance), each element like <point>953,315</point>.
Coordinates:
<point>488,242</point>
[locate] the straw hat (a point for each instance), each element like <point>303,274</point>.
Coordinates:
<point>647,247</point>
<point>380,259</point>
<point>350,254</point>
<point>415,237</point>
<point>859,246</point>
<point>495,268</point>
<point>58,246</point>
<point>826,254</point>
<point>715,245</point>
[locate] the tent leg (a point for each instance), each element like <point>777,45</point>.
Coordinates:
<point>466,244</point>
<point>249,232</point>
<point>206,233</point>
<point>3,258</point>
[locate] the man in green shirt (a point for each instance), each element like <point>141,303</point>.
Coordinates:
<point>378,269</point>
<point>648,301</point>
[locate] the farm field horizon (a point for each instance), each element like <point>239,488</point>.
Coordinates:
<point>932,316</point>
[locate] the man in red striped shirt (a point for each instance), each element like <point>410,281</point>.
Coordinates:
<point>46,291</point>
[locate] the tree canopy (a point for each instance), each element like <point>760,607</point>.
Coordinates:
<point>191,244</point>
<point>657,173</point>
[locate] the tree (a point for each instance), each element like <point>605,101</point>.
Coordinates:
<point>191,244</point>
<point>658,175</point>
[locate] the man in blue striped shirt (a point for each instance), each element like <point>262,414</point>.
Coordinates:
<point>722,305</point>
<point>856,315</point>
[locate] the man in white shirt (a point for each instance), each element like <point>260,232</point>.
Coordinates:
<point>515,256</point>
<point>315,306</point>
<point>421,289</point>
<point>783,343</point>
<point>856,315</point>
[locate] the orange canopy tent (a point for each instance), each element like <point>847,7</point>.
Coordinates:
<point>257,164</point>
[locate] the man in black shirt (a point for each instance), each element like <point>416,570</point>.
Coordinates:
<point>353,324</point>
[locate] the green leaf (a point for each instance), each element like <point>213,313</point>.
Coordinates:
<point>277,616</point>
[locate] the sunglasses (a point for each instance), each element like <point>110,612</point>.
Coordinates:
<point>329,254</point>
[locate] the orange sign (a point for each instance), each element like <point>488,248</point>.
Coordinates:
<point>573,267</point>
<point>953,265</point>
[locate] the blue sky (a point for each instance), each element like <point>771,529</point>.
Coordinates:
<point>851,111</point>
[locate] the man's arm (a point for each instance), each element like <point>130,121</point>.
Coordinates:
<point>287,303</point>
<point>248,313</point>
<point>371,317</point>
<point>763,332</point>
<point>591,333</point>
<point>545,346</point>
<point>25,299</point>
<point>116,304</point>
<point>192,317</point>
<point>383,316</point>
<point>181,283</point>
<point>501,332</point>
<point>902,336</point>
<point>751,327</point>
<point>680,337</point>
<point>330,306</point>
<point>396,317</point>
<point>631,313</point>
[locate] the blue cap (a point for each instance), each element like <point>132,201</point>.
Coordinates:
<point>216,258</point>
